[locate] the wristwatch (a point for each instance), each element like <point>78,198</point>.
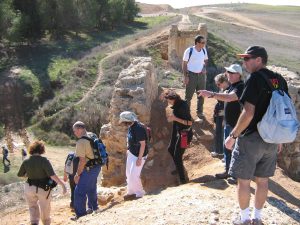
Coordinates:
<point>232,136</point>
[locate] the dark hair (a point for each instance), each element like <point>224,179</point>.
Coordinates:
<point>172,95</point>
<point>198,39</point>
<point>37,147</point>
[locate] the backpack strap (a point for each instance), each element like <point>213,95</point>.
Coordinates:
<point>190,53</point>
<point>266,78</point>
<point>204,51</point>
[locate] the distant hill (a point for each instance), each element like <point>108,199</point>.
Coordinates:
<point>150,9</point>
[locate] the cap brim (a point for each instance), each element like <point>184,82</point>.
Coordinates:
<point>230,70</point>
<point>244,55</point>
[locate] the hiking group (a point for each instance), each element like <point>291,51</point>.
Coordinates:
<point>240,108</point>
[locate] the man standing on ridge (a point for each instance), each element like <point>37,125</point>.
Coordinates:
<point>252,158</point>
<point>193,66</point>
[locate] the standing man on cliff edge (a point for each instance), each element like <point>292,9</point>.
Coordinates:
<point>193,66</point>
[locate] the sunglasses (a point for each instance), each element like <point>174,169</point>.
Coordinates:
<point>230,72</point>
<point>248,58</point>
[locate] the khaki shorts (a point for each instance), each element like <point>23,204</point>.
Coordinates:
<point>252,157</point>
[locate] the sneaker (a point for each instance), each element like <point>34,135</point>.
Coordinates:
<point>198,120</point>
<point>239,222</point>
<point>232,180</point>
<point>129,197</point>
<point>216,155</point>
<point>224,175</point>
<point>256,222</point>
<point>74,218</point>
<point>89,211</point>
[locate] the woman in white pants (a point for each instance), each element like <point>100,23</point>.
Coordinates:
<point>136,154</point>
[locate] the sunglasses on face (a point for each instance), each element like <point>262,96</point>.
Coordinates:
<point>230,72</point>
<point>248,58</point>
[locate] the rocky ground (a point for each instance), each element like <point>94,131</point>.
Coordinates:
<point>204,200</point>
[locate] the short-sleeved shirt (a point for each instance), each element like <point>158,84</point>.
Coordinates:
<point>136,133</point>
<point>36,167</point>
<point>84,148</point>
<point>196,62</point>
<point>258,93</point>
<point>233,109</point>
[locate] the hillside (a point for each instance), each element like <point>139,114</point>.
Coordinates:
<point>154,9</point>
<point>242,25</point>
<point>204,200</point>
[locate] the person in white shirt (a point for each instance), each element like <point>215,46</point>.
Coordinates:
<point>193,66</point>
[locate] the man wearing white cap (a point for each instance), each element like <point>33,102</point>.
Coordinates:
<point>136,154</point>
<point>232,108</point>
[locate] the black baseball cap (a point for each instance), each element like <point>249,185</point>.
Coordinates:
<point>254,51</point>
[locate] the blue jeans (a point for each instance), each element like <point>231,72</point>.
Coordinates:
<point>219,135</point>
<point>227,153</point>
<point>86,188</point>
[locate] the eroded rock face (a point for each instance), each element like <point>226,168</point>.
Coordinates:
<point>135,90</point>
<point>289,157</point>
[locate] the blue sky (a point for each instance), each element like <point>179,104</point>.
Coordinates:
<point>186,3</point>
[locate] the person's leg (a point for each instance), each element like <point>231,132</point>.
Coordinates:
<point>32,199</point>
<point>178,161</point>
<point>261,194</point>
<point>92,193</point>
<point>135,179</point>
<point>219,135</point>
<point>72,188</point>
<point>80,194</point>
<point>227,152</point>
<point>243,191</point>
<point>190,88</point>
<point>130,163</point>
<point>45,205</point>
<point>201,85</point>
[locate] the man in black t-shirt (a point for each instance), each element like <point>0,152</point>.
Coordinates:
<point>252,157</point>
<point>232,107</point>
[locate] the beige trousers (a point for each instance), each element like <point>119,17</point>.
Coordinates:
<point>39,205</point>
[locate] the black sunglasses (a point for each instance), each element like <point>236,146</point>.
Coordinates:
<point>230,72</point>
<point>248,58</point>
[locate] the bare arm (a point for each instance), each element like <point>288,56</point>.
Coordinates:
<point>57,180</point>
<point>141,153</point>
<point>225,97</point>
<point>81,165</point>
<point>184,68</point>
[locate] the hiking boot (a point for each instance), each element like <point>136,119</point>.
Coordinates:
<point>129,197</point>
<point>256,222</point>
<point>232,180</point>
<point>224,175</point>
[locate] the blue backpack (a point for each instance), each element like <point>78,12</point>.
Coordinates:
<point>99,151</point>
<point>279,124</point>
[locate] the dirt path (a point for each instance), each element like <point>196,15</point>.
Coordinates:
<point>240,20</point>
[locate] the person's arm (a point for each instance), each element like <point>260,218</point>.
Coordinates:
<point>57,180</point>
<point>22,171</point>
<point>185,73</point>
<point>182,121</point>
<point>242,123</point>
<point>81,165</point>
<point>225,97</point>
<point>141,153</point>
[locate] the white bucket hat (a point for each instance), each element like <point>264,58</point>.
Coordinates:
<point>127,116</point>
<point>234,68</point>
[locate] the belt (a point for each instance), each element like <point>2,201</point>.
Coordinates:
<point>195,73</point>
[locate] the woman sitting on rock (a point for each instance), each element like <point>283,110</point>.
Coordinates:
<point>41,179</point>
<point>181,133</point>
<point>136,154</point>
